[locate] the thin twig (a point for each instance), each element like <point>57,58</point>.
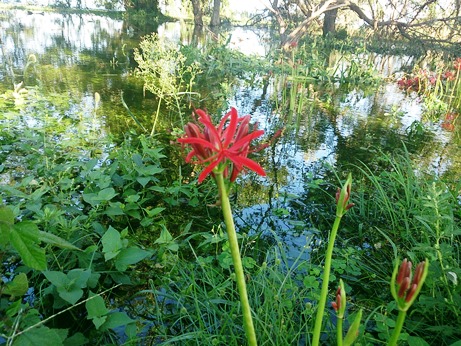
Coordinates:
<point>61,312</point>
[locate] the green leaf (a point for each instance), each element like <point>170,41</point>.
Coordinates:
<point>99,321</point>
<point>95,306</point>
<point>69,286</point>
<point>166,239</point>
<point>79,277</point>
<point>71,294</point>
<point>24,238</point>
<point>416,341</point>
<point>353,331</point>
<point>143,180</point>
<point>54,240</point>
<point>111,243</point>
<point>130,256</point>
<point>155,211</point>
<point>97,198</point>
<point>78,339</point>
<point>116,319</point>
<point>132,198</point>
<point>107,194</point>
<point>6,215</point>
<point>17,287</point>
<point>56,278</point>
<point>41,336</point>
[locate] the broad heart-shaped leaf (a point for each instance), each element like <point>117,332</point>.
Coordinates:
<point>99,321</point>
<point>111,243</point>
<point>130,256</point>
<point>116,319</point>
<point>17,287</point>
<point>78,339</point>
<point>41,336</point>
<point>143,180</point>
<point>79,277</point>
<point>24,238</point>
<point>107,194</point>
<point>69,286</point>
<point>52,239</point>
<point>102,196</point>
<point>167,239</point>
<point>95,306</point>
<point>56,278</point>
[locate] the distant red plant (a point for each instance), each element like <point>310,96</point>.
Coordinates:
<point>449,75</point>
<point>457,64</point>
<point>449,121</point>
<point>410,84</point>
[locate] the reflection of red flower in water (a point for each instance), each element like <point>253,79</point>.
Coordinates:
<point>220,145</point>
<point>449,121</point>
<point>408,84</point>
<point>448,75</point>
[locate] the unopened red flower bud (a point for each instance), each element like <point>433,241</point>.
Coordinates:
<point>411,292</point>
<point>419,273</point>
<point>334,305</point>
<point>404,271</point>
<point>403,287</point>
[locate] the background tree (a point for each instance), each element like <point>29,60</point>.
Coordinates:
<point>199,7</point>
<point>215,16</point>
<point>427,21</point>
<point>198,12</point>
<point>150,6</point>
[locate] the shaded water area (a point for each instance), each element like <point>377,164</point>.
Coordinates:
<point>80,54</point>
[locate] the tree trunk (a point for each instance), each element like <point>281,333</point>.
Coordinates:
<point>329,22</point>
<point>198,14</point>
<point>150,6</point>
<point>215,19</point>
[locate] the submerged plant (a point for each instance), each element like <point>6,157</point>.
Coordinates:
<point>223,150</point>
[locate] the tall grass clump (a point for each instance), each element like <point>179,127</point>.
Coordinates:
<point>197,300</point>
<point>416,214</point>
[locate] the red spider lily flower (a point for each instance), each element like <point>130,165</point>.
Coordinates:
<point>224,147</point>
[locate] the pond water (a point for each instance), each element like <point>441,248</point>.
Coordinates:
<point>81,54</point>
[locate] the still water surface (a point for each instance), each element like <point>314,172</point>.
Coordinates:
<point>86,53</point>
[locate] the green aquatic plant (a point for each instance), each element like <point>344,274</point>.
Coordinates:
<point>165,73</point>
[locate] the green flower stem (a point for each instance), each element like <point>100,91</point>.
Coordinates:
<point>339,332</point>
<point>325,279</point>
<point>236,259</point>
<point>398,328</point>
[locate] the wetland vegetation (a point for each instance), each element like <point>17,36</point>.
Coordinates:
<point>108,238</point>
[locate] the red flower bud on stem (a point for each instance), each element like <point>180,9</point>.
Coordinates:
<point>403,288</point>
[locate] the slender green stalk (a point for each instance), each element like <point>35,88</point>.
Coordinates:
<point>398,328</point>
<point>236,259</point>
<point>339,332</point>
<point>325,279</point>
